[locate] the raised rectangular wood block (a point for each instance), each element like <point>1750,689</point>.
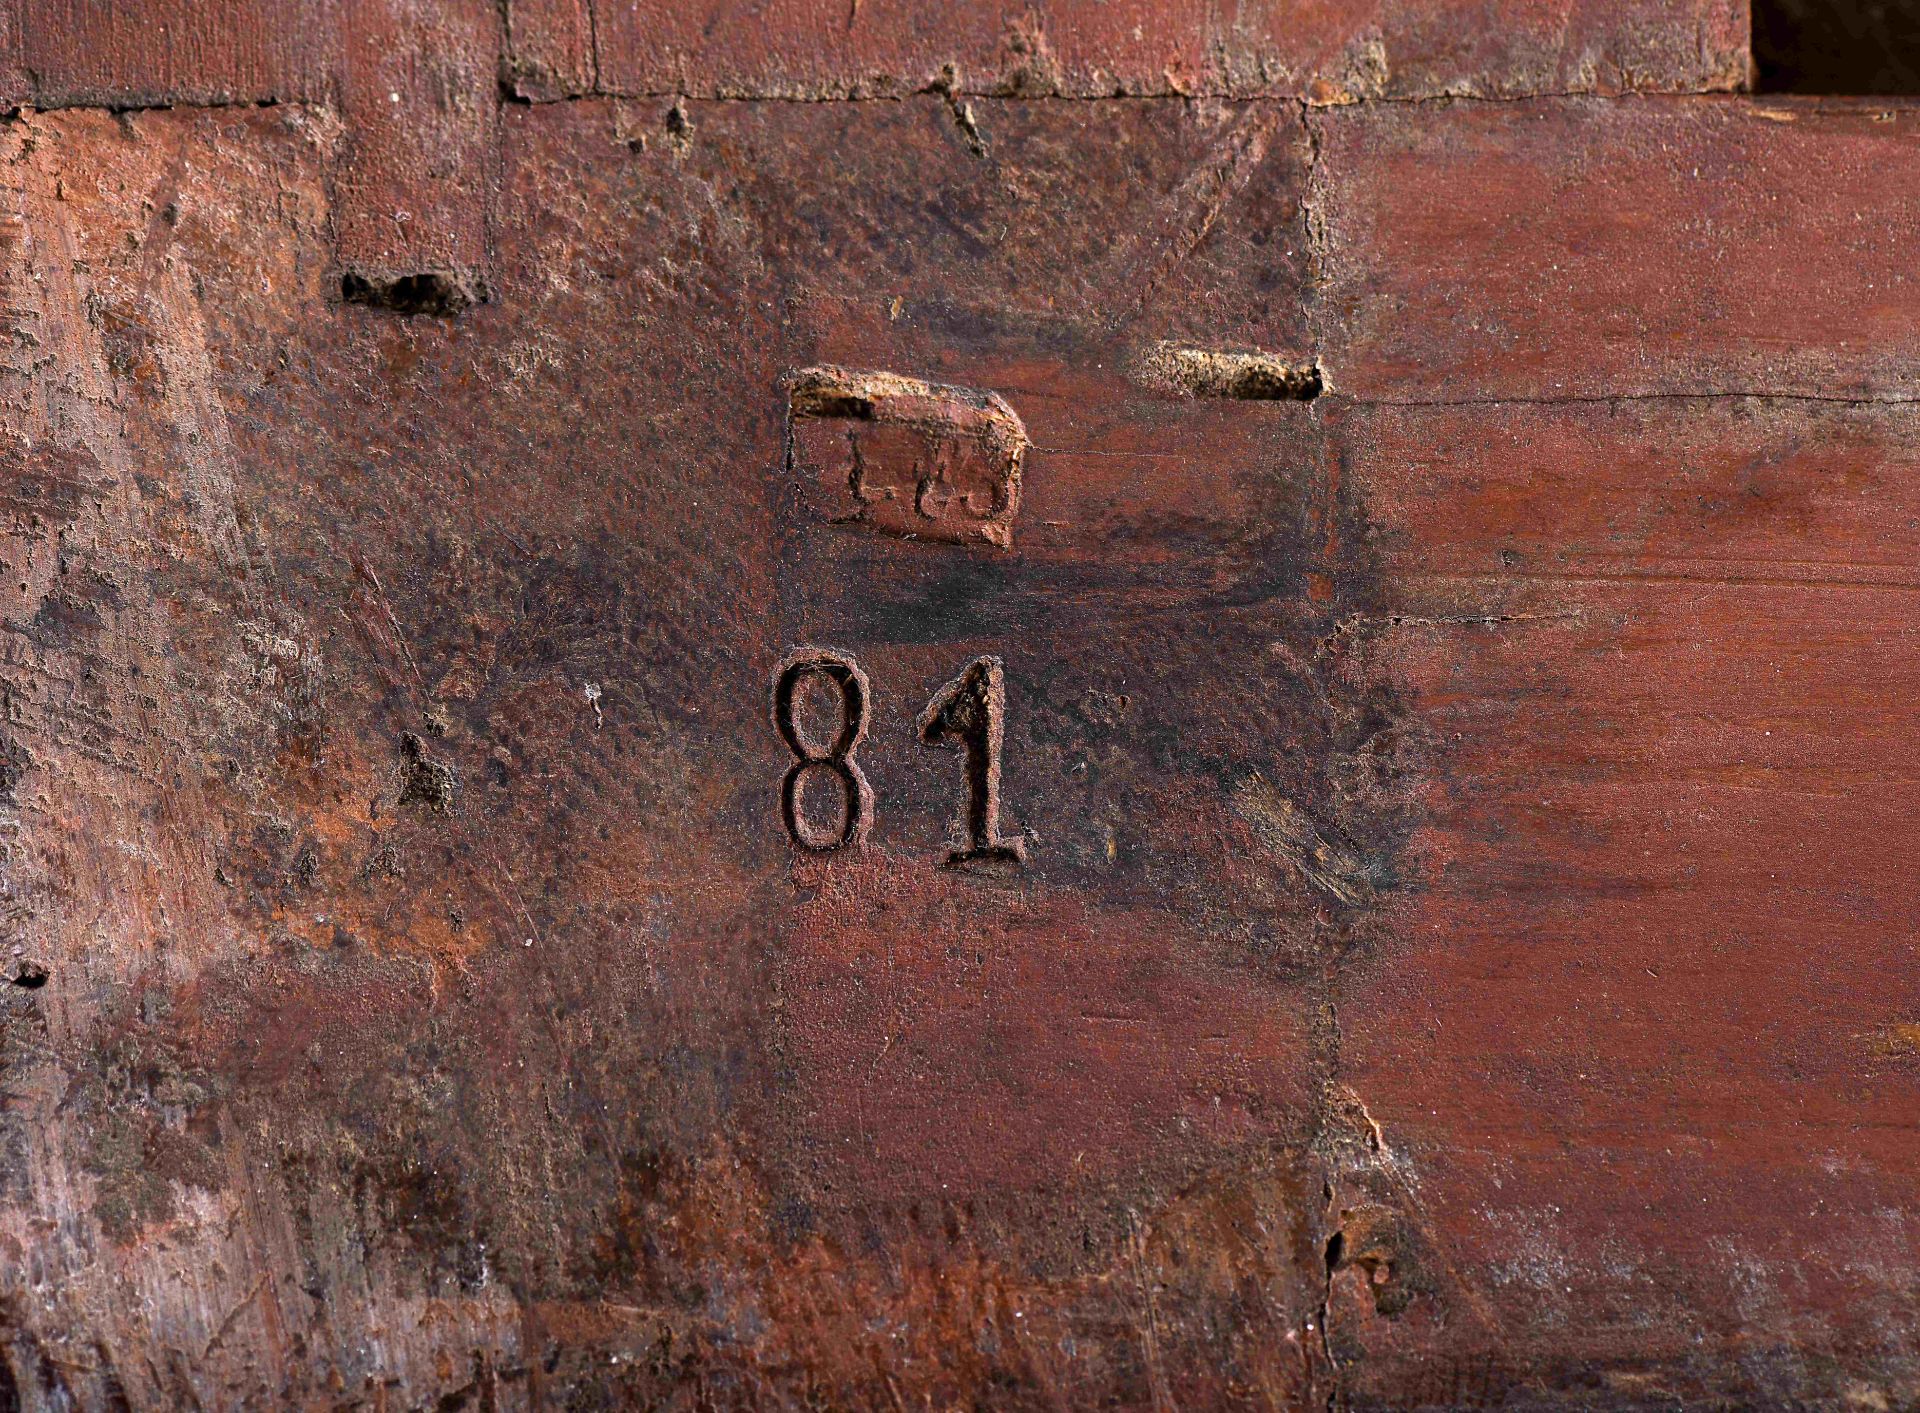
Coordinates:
<point>551,48</point>
<point>419,92</point>
<point>904,457</point>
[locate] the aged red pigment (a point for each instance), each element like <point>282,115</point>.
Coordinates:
<point>1337,832</point>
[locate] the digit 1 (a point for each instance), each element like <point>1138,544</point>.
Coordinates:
<point>970,711</point>
<point>835,757</point>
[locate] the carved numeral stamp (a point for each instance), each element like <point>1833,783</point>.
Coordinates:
<point>970,712</point>
<point>816,685</point>
<point>798,678</point>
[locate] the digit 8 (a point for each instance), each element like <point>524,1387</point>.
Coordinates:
<point>836,757</point>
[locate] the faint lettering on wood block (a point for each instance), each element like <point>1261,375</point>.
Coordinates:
<point>903,457</point>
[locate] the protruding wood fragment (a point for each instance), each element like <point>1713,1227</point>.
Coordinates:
<point>903,457</point>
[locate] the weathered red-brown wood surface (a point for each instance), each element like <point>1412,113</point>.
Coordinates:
<point>1446,936</point>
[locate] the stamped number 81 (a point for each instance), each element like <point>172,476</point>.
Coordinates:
<point>969,712</point>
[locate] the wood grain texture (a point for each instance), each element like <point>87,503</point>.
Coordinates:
<point>1641,1052</point>
<point>1644,1039</point>
<point>201,51</point>
<point>393,694</point>
<point>1573,248</point>
<point>1463,950</point>
<point>419,95</point>
<point>415,84</point>
<point>161,52</point>
<point>552,48</point>
<point>1326,52</point>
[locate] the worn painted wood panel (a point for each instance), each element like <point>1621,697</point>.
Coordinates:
<point>551,49</point>
<point>1640,1053</point>
<point>416,86</point>
<point>1440,935</point>
<point>161,52</point>
<point>1324,52</point>
<point>1577,248</point>
<point>422,991</point>
<point>84,51</point>
<point>419,92</point>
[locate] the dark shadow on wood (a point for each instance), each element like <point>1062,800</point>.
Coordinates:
<point>1837,46</point>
